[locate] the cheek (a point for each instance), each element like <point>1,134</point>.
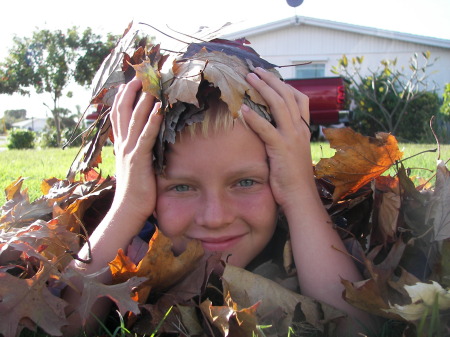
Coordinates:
<point>173,217</point>
<point>261,210</point>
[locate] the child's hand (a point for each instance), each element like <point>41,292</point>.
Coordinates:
<point>287,145</point>
<point>135,132</point>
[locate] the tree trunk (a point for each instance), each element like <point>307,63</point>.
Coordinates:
<point>57,123</point>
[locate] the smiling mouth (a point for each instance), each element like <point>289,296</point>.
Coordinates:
<point>220,244</point>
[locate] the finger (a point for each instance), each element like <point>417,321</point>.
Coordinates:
<point>278,96</point>
<point>125,106</point>
<point>260,126</point>
<point>303,105</point>
<point>140,116</point>
<point>114,112</point>
<point>151,129</point>
<point>283,89</point>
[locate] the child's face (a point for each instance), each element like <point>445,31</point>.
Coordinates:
<point>216,190</point>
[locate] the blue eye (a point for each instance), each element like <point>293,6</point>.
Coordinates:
<point>181,188</point>
<point>246,183</point>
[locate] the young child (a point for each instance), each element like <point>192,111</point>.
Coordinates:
<point>224,184</point>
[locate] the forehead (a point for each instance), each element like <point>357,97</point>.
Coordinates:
<point>237,144</point>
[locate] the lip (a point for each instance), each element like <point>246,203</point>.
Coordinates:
<point>220,243</point>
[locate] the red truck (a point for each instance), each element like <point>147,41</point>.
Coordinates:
<point>328,102</point>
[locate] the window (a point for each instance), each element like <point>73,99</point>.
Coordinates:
<point>311,70</point>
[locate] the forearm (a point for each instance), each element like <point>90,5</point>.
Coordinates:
<point>115,231</point>
<point>319,253</point>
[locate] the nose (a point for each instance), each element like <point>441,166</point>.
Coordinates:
<point>215,211</point>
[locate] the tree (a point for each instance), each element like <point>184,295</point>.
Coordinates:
<point>383,96</point>
<point>17,115</point>
<point>48,61</point>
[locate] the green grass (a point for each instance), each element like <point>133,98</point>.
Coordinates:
<point>36,165</point>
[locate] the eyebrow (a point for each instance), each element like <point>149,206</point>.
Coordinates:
<point>247,170</point>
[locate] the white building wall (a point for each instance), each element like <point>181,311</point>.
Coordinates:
<point>300,43</point>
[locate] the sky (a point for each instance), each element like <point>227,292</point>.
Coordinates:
<point>419,17</point>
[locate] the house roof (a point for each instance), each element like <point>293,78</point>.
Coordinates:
<point>302,20</point>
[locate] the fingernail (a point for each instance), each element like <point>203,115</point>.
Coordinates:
<point>261,69</point>
<point>244,108</point>
<point>253,76</point>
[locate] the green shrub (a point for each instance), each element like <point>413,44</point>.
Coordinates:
<point>21,139</point>
<point>48,138</point>
<point>415,123</point>
<point>444,120</point>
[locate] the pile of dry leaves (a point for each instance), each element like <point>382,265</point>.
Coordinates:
<point>397,228</point>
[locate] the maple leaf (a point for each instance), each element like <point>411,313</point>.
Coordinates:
<point>30,298</point>
<point>149,72</point>
<point>227,72</point>
<point>358,159</point>
<point>187,78</point>
<point>160,266</point>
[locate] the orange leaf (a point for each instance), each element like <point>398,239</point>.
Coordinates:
<point>159,265</point>
<point>13,190</point>
<point>358,159</point>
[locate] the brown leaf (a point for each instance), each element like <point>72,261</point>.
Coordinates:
<point>229,319</point>
<point>386,210</point>
<point>29,298</point>
<point>247,288</point>
<point>227,72</point>
<point>358,159</point>
<point>383,289</point>
<point>187,78</point>
<point>121,294</point>
<point>110,75</point>
<point>440,211</point>
<point>89,155</point>
<point>189,319</point>
<point>159,265</point>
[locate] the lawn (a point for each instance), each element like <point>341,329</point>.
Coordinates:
<point>36,165</point>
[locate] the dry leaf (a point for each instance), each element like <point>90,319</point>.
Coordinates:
<point>441,204</point>
<point>230,320</point>
<point>160,266</point>
<point>247,288</point>
<point>121,294</point>
<point>388,201</point>
<point>358,159</point>
<point>30,299</point>
<point>423,297</point>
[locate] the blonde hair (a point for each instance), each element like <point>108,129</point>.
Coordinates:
<point>217,117</point>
